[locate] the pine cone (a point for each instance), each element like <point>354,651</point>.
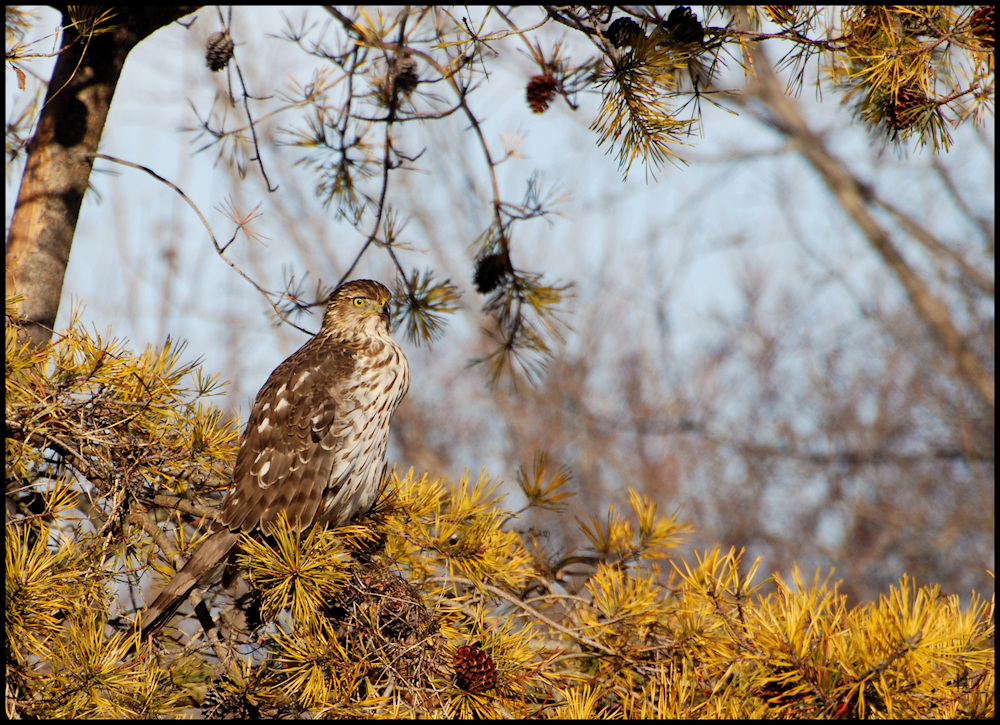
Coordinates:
<point>624,32</point>
<point>540,92</point>
<point>896,115</point>
<point>224,702</point>
<point>218,50</point>
<point>982,24</point>
<point>682,26</point>
<point>475,671</point>
<point>401,610</point>
<point>404,71</point>
<point>491,271</point>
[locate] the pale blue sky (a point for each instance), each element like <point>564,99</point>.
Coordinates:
<point>119,272</point>
<point>714,199</point>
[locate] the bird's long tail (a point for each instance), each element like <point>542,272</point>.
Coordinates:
<point>210,554</point>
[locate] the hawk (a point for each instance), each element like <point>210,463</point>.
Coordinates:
<point>314,445</point>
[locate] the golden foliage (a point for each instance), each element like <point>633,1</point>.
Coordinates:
<point>366,620</point>
<point>39,584</point>
<point>298,572</point>
<point>901,70</point>
<point>636,113</point>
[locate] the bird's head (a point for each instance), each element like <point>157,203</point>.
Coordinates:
<point>361,305</point>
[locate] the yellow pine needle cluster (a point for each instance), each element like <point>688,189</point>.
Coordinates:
<point>59,648</point>
<point>425,306</point>
<point>432,605</point>
<point>36,598</point>
<point>119,418</point>
<point>296,571</point>
<point>636,113</point>
<point>900,70</point>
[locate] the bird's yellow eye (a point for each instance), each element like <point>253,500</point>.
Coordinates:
<point>359,301</point>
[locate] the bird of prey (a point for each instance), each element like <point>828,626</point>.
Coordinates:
<point>314,445</point>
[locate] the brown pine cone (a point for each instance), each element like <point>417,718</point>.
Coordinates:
<point>405,71</point>
<point>682,26</point>
<point>218,50</point>
<point>475,670</point>
<point>624,31</point>
<point>491,270</point>
<point>982,24</point>
<point>896,114</point>
<point>540,92</point>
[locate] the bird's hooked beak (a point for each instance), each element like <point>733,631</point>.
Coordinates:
<point>384,311</point>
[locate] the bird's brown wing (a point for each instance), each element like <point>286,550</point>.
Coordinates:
<point>290,448</point>
<point>294,438</point>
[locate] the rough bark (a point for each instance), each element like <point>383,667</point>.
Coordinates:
<point>60,157</point>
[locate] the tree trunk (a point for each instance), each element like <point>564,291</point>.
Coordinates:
<point>60,156</point>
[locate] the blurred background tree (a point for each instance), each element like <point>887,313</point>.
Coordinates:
<point>784,329</point>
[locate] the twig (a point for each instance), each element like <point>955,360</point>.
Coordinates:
<point>186,506</point>
<point>197,601</point>
<point>253,128</point>
<point>211,234</point>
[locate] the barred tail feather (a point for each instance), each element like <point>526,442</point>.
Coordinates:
<point>210,554</point>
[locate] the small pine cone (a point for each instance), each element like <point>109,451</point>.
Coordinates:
<point>218,50</point>
<point>780,14</point>
<point>475,670</point>
<point>222,702</point>
<point>624,32</point>
<point>540,92</point>
<point>491,271</point>
<point>401,611</point>
<point>982,24</point>
<point>405,75</point>
<point>683,27</point>
<point>896,115</point>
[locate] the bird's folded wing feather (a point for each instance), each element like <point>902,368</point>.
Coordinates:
<point>292,445</point>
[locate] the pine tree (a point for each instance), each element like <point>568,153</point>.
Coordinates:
<point>432,605</point>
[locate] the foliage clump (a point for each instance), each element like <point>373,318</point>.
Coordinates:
<point>432,605</point>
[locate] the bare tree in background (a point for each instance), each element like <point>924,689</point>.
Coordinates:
<point>849,441</point>
<point>868,446</point>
